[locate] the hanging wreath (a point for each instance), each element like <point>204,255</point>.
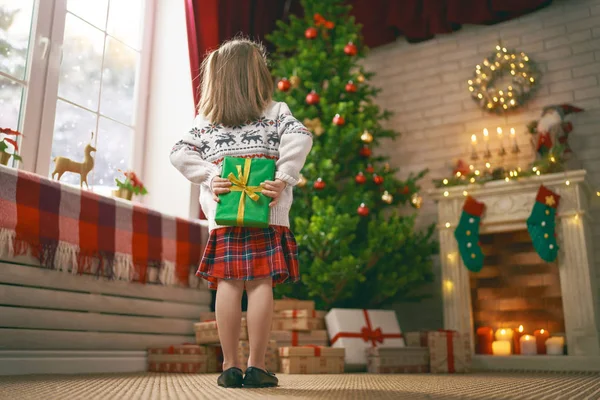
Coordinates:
<point>523,84</point>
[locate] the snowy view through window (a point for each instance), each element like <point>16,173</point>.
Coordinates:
<point>96,83</point>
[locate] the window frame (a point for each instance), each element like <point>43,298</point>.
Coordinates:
<point>41,94</point>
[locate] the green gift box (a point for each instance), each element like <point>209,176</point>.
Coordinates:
<point>245,205</point>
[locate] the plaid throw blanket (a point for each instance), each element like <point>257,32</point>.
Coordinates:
<point>78,231</point>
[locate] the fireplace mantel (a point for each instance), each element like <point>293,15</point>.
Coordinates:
<point>508,205</point>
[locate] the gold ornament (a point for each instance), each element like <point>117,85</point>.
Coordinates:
<point>416,200</point>
<point>387,197</point>
<point>64,164</point>
<point>294,81</point>
<point>360,78</point>
<point>366,137</point>
<point>314,125</point>
<point>386,167</point>
<point>301,181</point>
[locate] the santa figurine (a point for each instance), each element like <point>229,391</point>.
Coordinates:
<point>552,128</point>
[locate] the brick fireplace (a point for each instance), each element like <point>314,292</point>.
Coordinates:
<point>515,286</point>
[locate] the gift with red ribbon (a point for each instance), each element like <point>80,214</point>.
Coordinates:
<point>449,351</point>
<point>356,330</point>
<point>311,360</point>
<point>185,358</point>
<point>296,338</point>
<point>298,320</point>
<point>207,332</point>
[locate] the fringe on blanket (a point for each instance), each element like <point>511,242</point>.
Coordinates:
<point>66,257</point>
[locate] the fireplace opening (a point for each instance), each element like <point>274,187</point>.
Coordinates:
<point>515,288</point>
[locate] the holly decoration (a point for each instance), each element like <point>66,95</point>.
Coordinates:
<point>339,120</point>
<point>311,33</point>
<point>4,142</point>
<point>541,224</point>
<point>365,151</point>
<point>363,210</point>
<point>378,179</point>
<point>350,49</point>
<point>467,234</point>
<point>319,184</point>
<point>131,183</point>
<point>284,85</point>
<point>351,87</point>
<point>312,98</point>
<point>360,178</point>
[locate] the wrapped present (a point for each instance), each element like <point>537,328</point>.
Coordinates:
<point>416,339</point>
<point>449,351</point>
<point>187,358</point>
<point>293,304</point>
<point>207,333</point>
<point>245,205</point>
<point>397,360</point>
<point>214,358</point>
<point>298,320</point>
<point>271,357</point>
<point>295,338</point>
<point>356,330</point>
<point>207,316</point>
<point>311,360</point>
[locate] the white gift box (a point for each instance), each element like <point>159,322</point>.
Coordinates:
<point>357,330</point>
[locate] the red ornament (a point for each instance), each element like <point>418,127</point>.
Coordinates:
<point>350,49</point>
<point>378,179</point>
<point>360,178</point>
<point>365,151</point>
<point>370,169</point>
<point>319,184</point>
<point>351,87</point>
<point>311,33</point>
<point>363,210</point>
<point>339,120</point>
<point>312,98</point>
<point>284,85</point>
<point>406,190</point>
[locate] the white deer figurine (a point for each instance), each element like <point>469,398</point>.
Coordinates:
<point>64,164</point>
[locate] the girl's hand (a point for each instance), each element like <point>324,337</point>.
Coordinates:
<point>219,186</point>
<point>273,189</point>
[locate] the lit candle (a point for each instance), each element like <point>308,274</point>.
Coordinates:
<point>540,337</point>
<point>515,146</point>
<point>486,139</point>
<point>474,147</point>
<point>502,151</point>
<point>501,348</point>
<point>499,130</point>
<point>528,345</point>
<point>517,339</point>
<point>504,334</point>
<point>555,346</point>
<point>485,337</point>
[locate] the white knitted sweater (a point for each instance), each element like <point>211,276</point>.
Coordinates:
<point>276,135</point>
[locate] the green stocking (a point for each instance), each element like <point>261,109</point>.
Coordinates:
<point>541,224</point>
<point>467,234</point>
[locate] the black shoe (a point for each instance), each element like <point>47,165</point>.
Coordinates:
<point>258,378</point>
<point>232,378</point>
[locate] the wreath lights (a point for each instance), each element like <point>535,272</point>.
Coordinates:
<point>524,81</point>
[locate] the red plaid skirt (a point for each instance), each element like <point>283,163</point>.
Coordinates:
<point>249,254</point>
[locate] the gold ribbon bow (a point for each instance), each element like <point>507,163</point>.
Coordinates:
<point>314,125</point>
<point>240,184</point>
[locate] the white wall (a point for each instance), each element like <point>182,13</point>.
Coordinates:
<point>425,85</point>
<point>170,112</point>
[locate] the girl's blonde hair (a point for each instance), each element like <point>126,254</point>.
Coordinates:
<point>236,84</point>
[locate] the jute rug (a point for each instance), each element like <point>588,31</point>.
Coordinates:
<point>349,386</point>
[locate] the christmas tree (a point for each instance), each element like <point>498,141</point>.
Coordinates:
<point>355,249</point>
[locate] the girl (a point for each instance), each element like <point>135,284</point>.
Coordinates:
<point>238,118</point>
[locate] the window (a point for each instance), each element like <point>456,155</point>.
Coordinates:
<point>15,37</point>
<point>92,55</point>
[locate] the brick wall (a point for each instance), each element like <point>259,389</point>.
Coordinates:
<point>425,85</point>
